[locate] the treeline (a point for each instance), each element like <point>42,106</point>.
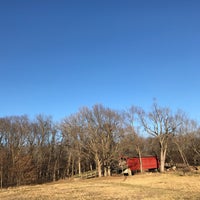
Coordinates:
<point>38,150</point>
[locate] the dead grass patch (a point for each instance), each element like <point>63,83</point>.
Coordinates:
<point>145,186</point>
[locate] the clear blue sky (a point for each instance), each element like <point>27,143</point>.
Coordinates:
<point>58,56</point>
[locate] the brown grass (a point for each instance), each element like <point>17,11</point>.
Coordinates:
<point>146,186</point>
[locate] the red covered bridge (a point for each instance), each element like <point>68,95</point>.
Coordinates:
<point>149,163</point>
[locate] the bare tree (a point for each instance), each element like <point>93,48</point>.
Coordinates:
<point>132,128</point>
<point>195,145</point>
<point>187,140</point>
<point>161,124</point>
<point>102,126</point>
<point>72,130</point>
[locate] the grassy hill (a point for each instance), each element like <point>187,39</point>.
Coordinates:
<point>145,186</point>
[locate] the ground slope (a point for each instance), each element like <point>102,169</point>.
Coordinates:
<point>146,186</point>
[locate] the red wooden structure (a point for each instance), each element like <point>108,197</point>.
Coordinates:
<point>149,163</point>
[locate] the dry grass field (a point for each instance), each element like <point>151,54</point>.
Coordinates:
<point>145,186</point>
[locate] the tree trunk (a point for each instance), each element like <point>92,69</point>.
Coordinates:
<point>1,177</point>
<point>79,165</point>
<point>109,171</point>
<point>54,171</point>
<point>162,159</point>
<point>99,169</point>
<point>182,155</point>
<point>105,170</point>
<point>68,164</point>
<point>99,165</point>
<point>73,170</point>
<point>91,168</point>
<point>140,159</point>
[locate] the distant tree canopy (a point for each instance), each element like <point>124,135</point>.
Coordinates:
<point>39,150</point>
